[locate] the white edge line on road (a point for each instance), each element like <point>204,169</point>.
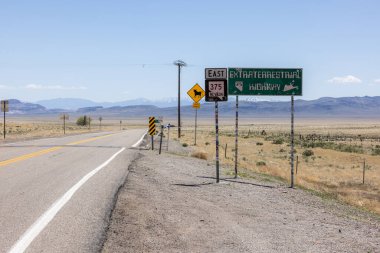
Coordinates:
<point>139,141</point>
<point>27,238</point>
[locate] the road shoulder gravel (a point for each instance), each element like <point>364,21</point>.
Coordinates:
<point>171,203</point>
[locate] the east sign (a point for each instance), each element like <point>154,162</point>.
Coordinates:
<point>215,73</point>
<point>265,81</point>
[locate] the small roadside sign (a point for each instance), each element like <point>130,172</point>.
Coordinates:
<point>4,105</point>
<point>196,93</point>
<point>196,105</point>
<point>216,90</point>
<point>215,73</point>
<point>152,126</point>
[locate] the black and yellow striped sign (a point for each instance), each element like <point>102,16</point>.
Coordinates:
<point>152,126</point>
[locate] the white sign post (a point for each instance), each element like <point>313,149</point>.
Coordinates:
<point>216,90</point>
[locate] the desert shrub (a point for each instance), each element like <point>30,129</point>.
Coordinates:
<point>308,152</point>
<point>376,151</point>
<point>260,163</point>
<point>184,145</point>
<point>331,145</point>
<point>282,150</point>
<point>83,120</point>
<point>259,143</point>
<point>200,155</point>
<point>278,141</point>
<point>207,143</point>
<point>349,148</point>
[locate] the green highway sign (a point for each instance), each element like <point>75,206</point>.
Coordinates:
<point>264,82</point>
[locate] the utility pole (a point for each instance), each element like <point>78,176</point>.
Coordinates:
<point>180,64</point>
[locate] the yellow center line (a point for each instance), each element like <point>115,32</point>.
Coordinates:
<point>49,150</point>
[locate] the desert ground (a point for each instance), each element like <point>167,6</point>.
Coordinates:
<point>171,203</point>
<point>331,154</point>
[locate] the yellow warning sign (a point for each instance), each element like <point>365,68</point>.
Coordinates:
<point>152,126</point>
<point>196,93</point>
<point>196,105</point>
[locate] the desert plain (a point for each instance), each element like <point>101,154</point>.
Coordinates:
<point>329,160</point>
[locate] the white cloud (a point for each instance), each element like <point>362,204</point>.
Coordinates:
<point>33,86</point>
<point>345,80</point>
<point>377,81</point>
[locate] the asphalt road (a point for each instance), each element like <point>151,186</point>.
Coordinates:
<point>56,194</point>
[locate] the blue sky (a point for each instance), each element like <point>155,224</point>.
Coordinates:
<point>119,50</point>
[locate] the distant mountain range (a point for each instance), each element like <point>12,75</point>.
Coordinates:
<point>361,107</point>
<point>73,104</point>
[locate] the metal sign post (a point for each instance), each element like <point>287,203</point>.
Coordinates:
<point>292,144</point>
<point>195,130</point>
<point>236,136</point>
<point>167,146</point>
<point>196,106</point>
<point>64,117</point>
<point>4,108</point>
<point>161,135</point>
<point>217,141</point>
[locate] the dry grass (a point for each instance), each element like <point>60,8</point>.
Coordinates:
<point>328,171</point>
